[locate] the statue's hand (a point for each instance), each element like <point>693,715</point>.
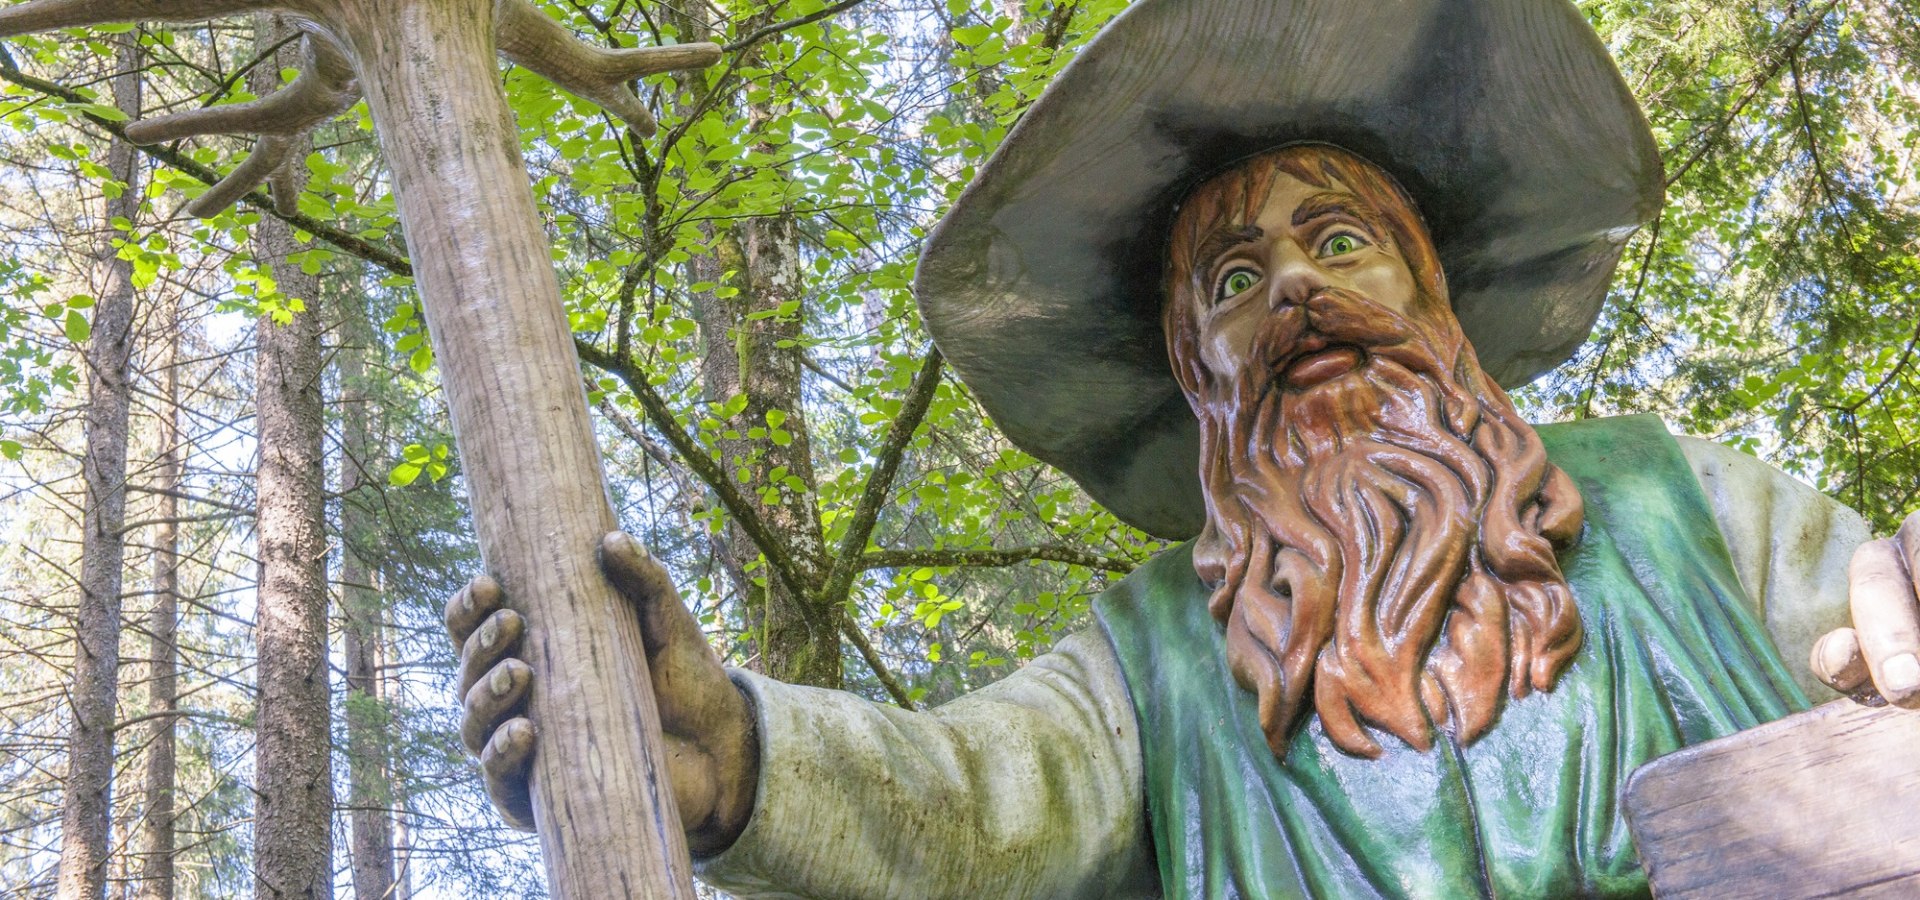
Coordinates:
<point>713,756</point>
<point>1884,643</point>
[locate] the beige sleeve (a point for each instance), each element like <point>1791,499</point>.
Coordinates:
<point>1790,543</point>
<point>1029,788</point>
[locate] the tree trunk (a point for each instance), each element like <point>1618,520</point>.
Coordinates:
<point>369,772</point>
<point>799,640</point>
<point>601,801</point>
<point>402,844</point>
<point>96,659</point>
<point>293,837</point>
<point>155,842</point>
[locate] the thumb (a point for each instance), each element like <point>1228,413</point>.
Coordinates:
<point>645,584</point>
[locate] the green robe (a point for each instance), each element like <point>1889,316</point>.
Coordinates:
<point>1673,656</point>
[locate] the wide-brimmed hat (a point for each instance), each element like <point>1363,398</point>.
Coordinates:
<point>1506,121</point>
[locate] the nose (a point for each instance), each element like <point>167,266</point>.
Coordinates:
<point>1296,276</point>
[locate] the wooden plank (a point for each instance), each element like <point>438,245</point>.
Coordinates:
<point>1821,804</point>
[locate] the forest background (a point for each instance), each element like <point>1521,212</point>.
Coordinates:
<point>777,426</point>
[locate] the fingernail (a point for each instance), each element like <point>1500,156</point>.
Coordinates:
<point>1901,674</point>
<point>518,732</point>
<point>1830,657</point>
<point>489,632</point>
<point>500,682</point>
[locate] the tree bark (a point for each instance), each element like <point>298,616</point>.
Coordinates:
<point>798,637</point>
<point>293,837</point>
<point>369,770</point>
<point>96,660</point>
<point>155,842</point>
<point>601,800</point>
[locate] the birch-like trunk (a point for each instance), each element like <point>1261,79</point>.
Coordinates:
<point>96,659</point>
<point>602,802</point>
<point>155,842</point>
<point>293,781</point>
<point>369,774</point>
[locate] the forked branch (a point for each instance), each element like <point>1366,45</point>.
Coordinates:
<point>527,37</point>
<point>328,85</point>
<point>325,89</point>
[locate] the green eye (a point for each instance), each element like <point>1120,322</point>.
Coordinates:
<point>1237,282</point>
<point>1340,245</point>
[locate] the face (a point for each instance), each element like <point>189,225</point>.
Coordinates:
<point>1306,239</point>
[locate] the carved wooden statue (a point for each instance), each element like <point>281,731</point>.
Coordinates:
<point>1254,272</point>
<point>1416,646</point>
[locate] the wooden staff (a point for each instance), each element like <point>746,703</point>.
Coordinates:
<point>602,800</point>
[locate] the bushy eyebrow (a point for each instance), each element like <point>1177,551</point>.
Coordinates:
<point>1337,203</point>
<point>1226,239</point>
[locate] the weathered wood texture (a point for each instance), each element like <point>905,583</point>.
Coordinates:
<point>1822,804</point>
<point>608,827</point>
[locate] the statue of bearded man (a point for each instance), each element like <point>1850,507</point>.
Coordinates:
<point>1411,645</point>
<point>1381,524</point>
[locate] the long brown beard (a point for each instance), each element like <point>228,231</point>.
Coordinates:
<point>1386,537</point>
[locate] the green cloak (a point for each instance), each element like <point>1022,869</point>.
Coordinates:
<point>1673,655</point>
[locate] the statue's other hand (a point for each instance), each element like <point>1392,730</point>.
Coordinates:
<point>1883,646</point>
<point>713,756</point>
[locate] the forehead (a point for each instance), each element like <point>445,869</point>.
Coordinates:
<point>1292,200</point>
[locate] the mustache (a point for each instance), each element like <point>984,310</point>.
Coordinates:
<point>1332,317</point>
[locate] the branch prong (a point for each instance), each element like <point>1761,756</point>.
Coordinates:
<point>527,37</point>
<point>268,156</point>
<point>324,89</point>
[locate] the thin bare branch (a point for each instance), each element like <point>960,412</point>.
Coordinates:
<point>769,31</point>
<point>987,559</point>
<point>527,37</point>
<point>701,463</point>
<point>47,15</point>
<point>878,666</point>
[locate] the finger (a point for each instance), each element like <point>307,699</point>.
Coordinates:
<point>471,605</point>
<point>1887,620</point>
<point>1909,541</point>
<point>503,767</point>
<point>1837,660</point>
<point>691,687</point>
<point>495,639</point>
<point>493,700</point>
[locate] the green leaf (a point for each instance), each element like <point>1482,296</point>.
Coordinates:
<point>972,35</point>
<point>10,449</point>
<point>77,327</point>
<point>101,110</point>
